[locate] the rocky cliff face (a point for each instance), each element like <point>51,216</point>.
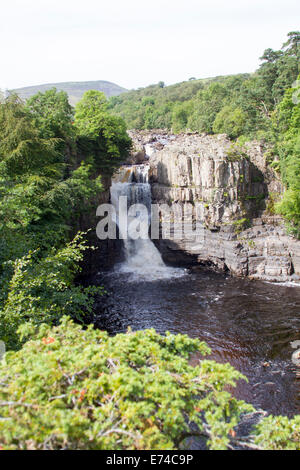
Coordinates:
<point>108,251</point>
<point>229,191</point>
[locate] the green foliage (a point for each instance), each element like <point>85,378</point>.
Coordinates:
<point>239,105</point>
<point>90,111</point>
<point>207,104</point>
<point>152,107</point>
<point>69,388</point>
<point>241,224</point>
<point>278,433</point>
<point>74,389</point>
<point>287,120</point>
<point>37,199</point>
<point>236,153</point>
<point>46,184</point>
<point>21,146</point>
<point>230,120</point>
<point>180,115</point>
<point>104,136</point>
<point>42,290</point>
<point>52,114</point>
<point>271,203</point>
<point>289,208</point>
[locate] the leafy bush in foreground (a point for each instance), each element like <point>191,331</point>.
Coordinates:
<point>279,433</point>
<point>70,388</point>
<point>81,389</point>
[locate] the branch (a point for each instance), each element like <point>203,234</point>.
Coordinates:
<point>17,403</point>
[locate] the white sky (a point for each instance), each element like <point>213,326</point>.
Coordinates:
<point>134,42</point>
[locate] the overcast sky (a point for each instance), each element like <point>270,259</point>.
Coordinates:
<point>134,42</point>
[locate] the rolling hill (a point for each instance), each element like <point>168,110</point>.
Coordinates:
<point>75,90</point>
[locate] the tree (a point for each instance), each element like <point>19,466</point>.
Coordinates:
<point>279,70</point>
<point>38,202</point>
<point>102,135</point>
<point>206,106</point>
<point>292,45</point>
<point>287,122</point>
<point>42,290</point>
<point>21,146</point>
<point>231,121</point>
<point>269,56</point>
<point>180,115</point>
<point>52,114</point>
<point>90,111</point>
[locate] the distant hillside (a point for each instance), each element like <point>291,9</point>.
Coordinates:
<point>75,90</point>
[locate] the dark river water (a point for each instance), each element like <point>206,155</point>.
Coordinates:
<point>249,324</point>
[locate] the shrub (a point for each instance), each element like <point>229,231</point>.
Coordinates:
<point>231,121</point>
<point>279,433</point>
<point>81,389</point>
<point>241,224</point>
<point>70,388</point>
<point>43,290</point>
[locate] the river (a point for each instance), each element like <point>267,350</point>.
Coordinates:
<point>250,324</point>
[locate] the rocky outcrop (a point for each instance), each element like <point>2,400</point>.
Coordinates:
<point>208,171</point>
<point>263,251</point>
<point>145,143</point>
<point>227,190</point>
<point>137,154</point>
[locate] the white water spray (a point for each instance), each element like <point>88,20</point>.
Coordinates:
<point>142,258</point>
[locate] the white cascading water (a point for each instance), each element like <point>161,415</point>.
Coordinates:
<point>142,258</point>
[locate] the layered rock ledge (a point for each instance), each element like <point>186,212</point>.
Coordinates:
<point>230,191</point>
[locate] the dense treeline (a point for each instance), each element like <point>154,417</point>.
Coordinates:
<point>50,165</point>
<point>263,106</point>
<point>236,105</point>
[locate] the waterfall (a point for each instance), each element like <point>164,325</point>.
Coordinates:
<point>142,258</point>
